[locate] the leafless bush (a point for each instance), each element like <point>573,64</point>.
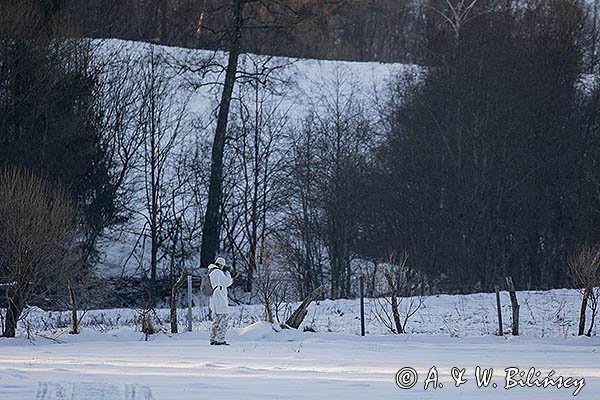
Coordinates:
<point>404,296</point>
<point>174,297</point>
<point>148,318</point>
<point>270,286</point>
<point>37,237</point>
<point>584,270</point>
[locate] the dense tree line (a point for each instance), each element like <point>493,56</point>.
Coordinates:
<point>363,30</point>
<point>492,158</point>
<point>58,190</point>
<point>489,162</point>
<point>49,114</point>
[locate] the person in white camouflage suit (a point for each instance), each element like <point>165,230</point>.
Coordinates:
<point>220,280</point>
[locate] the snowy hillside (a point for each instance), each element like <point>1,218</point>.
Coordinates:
<point>294,87</point>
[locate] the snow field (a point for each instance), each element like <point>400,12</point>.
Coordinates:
<point>264,364</point>
<point>110,359</point>
<point>551,313</point>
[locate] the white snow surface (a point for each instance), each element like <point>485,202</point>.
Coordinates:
<point>261,363</point>
<point>110,359</point>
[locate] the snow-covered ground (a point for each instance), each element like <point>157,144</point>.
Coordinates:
<point>264,364</point>
<point>111,360</point>
<point>552,313</point>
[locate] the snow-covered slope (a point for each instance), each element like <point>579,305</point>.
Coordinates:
<point>193,80</point>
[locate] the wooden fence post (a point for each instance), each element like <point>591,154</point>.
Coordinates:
<point>515,305</point>
<point>189,296</point>
<point>500,328</point>
<point>362,306</point>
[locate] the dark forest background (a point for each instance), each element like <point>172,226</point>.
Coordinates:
<point>407,31</point>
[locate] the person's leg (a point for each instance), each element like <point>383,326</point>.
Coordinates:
<point>215,328</point>
<point>222,329</point>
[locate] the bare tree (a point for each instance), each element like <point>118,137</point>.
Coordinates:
<point>254,181</point>
<point>405,293</point>
<point>327,184</point>
<point>174,298</point>
<point>212,217</point>
<point>37,238</point>
<point>270,285</point>
<point>161,120</point>
<point>119,98</point>
<point>457,13</point>
<point>301,238</point>
<point>183,216</point>
<point>241,15</point>
<point>584,269</point>
<point>344,137</point>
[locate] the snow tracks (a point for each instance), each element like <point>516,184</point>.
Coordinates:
<point>88,391</point>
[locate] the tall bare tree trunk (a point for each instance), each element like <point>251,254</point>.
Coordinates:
<point>154,178</point>
<point>74,319</point>
<point>584,302</point>
<point>174,291</point>
<point>594,311</point>
<point>393,292</point>
<point>212,218</point>
<point>13,312</point>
